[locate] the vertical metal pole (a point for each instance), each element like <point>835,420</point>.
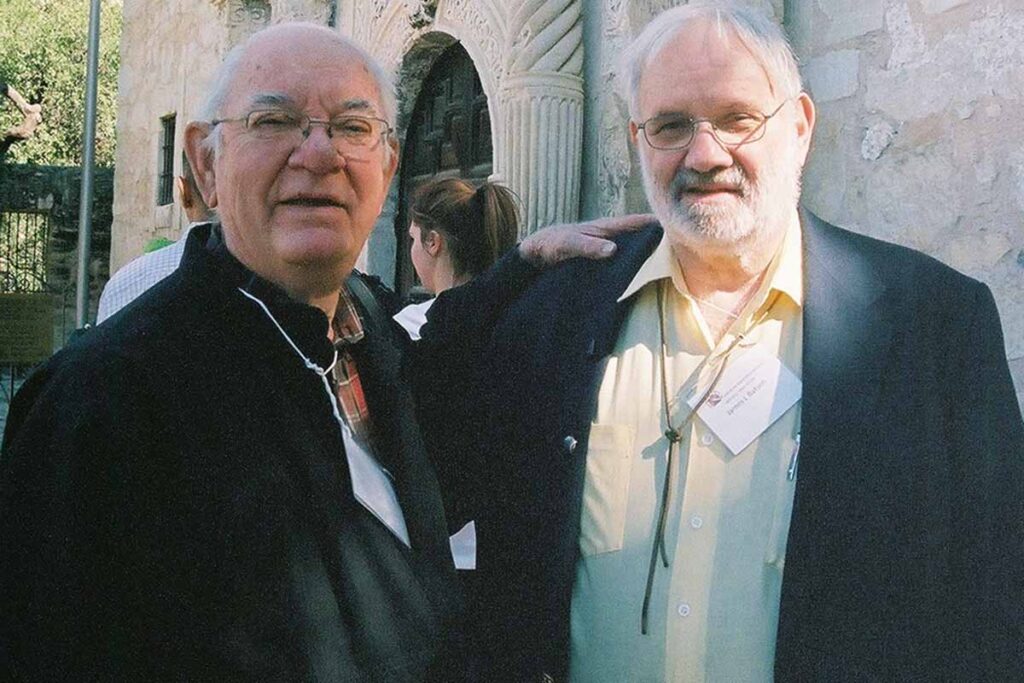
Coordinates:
<point>88,161</point>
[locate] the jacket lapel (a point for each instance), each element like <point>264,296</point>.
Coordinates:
<point>847,339</point>
<point>847,331</point>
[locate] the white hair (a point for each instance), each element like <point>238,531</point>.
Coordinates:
<point>755,29</point>
<point>228,69</point>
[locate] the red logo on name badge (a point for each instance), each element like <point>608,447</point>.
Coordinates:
<point>714,399</point>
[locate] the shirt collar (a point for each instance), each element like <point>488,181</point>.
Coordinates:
<point>305,323</point>
<point>785,271</point>
<point>347,324</point>
<point>788,274</point>
<point>659,265</point>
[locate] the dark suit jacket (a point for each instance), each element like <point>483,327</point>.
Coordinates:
<point>175,503</point>
<point>905,549</point>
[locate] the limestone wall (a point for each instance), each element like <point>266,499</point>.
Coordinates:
<point>920,103</point>
<point>168,52</point>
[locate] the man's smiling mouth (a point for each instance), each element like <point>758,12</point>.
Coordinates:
<point>315,202</point>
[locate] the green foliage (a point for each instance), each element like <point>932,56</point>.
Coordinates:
<point>156,244</point>
<point>43,55</point>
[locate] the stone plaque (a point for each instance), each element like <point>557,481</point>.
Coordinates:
<point>26,327</point>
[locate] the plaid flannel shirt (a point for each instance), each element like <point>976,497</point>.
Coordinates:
<point>348,330</point>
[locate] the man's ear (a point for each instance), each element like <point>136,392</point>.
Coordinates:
<point>201,158</point>
<point>185,197</point>
<point>805,118</point>
<point>392,163</point>
<point>633,130</point>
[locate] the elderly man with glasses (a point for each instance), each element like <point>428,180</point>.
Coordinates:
<point>224,480</point>
<point>752,445</point>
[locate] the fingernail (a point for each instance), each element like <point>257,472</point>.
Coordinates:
<point>608,248</point>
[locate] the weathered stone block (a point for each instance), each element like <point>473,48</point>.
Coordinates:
<point>877,138</point>
<point>833,76</point>
<point>908,45</point>
<point>851,18</point>
<point>939,6</point>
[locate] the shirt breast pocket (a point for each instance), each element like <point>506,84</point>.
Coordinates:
<point>606,488</point>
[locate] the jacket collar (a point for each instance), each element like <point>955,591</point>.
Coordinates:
<point>207,256</point>
<point>601,328</point>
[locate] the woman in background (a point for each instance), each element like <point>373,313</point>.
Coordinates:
<point>457,233</point>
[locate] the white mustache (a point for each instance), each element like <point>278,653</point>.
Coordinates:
<point>687,179</point>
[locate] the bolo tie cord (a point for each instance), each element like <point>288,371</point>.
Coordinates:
<point>675,436</point>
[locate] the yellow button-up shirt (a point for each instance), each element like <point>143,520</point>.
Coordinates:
<point>714,610</point>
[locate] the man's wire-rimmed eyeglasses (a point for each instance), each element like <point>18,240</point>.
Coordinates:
<point>735,128</point>
<point>348,132</point>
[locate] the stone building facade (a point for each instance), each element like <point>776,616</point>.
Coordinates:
<point>919,101</point>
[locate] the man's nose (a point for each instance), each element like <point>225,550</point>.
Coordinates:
<point>317,152</point>
<point>705,152</point>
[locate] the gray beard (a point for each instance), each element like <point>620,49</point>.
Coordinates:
<point>757,223</point>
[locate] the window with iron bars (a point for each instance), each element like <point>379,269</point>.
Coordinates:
<point>165,170</point>
<point>24,241</point>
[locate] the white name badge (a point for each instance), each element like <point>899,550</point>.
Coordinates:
<point>372,487</point>
<point>463,545</point>
<point>755,391</point>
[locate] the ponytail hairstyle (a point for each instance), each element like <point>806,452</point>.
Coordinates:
<point>478,225</point>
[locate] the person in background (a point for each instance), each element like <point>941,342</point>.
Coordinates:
<point>457,233</point>
<point>145,271</point>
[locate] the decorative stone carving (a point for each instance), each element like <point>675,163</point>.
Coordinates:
<point>542,146</point>
<point>540,152</point>
<point>614,162</point>
<point>248,12</point>
<point>315,11</point>
<point>421,13</point>
<point>546,35</point>
<point>244,17</point>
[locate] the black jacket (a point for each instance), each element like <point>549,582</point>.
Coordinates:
<point>175,502</point>
<point>905,557</point>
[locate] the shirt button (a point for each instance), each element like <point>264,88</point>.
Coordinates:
<point>696,521</point>
<point>569,444</point>
<point>707,439</point>
<point>683,609</point>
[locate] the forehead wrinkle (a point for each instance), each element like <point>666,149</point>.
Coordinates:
<point>271,99</point>
<point>280,99</point>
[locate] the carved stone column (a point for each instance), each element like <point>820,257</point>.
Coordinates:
<point>539,152</point>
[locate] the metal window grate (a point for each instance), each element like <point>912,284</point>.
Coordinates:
<point>165,171</point>
<point>24,242</point>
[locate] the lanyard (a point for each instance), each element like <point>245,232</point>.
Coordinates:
<point>675,434</point>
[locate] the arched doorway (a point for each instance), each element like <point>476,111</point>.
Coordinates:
<point>449,135</point>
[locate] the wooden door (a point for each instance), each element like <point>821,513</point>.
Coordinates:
<point>449,136</point>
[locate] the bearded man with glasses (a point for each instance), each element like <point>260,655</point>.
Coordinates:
<point>224,480</point>
<point>752,445</point>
